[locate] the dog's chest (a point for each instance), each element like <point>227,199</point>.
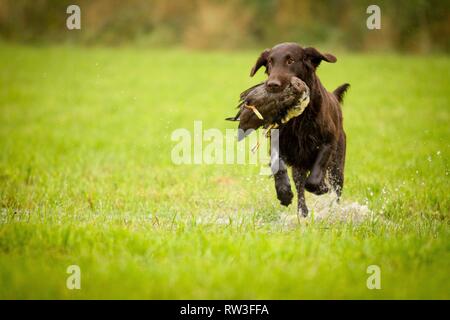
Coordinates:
<point>299,141</point>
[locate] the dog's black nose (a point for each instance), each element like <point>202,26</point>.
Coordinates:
<point>273,85</point>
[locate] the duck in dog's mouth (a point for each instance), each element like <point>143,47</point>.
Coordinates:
<point>259,107</point>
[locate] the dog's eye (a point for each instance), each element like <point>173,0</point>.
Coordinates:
<point>290,61</point>
<point>269,65</point>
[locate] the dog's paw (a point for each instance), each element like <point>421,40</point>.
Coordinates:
<point>316,186</point>
<point>283,188</point>
<point>302,210</point>
<point>285,195</point>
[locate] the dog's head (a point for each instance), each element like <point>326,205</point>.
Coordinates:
<point>286,60</point>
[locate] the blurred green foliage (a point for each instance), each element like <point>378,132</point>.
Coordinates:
<point>406,25</point>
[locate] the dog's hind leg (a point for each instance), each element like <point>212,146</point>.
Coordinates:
<point>337,167</point>
<point>315,183</point>
<point>299,176</point>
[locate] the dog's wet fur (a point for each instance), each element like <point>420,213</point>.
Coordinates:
<point>314,143</point>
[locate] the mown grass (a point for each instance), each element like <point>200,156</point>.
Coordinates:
<point>86,178</point>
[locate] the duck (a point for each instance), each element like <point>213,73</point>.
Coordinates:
<point>261,108</point>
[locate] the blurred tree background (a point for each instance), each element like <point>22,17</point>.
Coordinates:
<point>406,25</point>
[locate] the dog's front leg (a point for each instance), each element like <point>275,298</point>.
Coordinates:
<point>316,182</point>
<point>279,170</point>
<point>299,176</point>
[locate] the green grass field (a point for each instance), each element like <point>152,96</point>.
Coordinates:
<point>86,178</point>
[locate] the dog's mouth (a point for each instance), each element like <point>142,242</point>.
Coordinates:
<point>271,110</point>
<point>293,111</point>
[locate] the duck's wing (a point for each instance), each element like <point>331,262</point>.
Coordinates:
<point>242,100</point>
<point>244,94</point>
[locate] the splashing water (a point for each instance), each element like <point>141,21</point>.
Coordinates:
<point>327,208</point>
<point>324,208</point>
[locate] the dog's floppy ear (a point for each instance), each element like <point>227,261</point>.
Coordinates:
<point>262,61</point>
<point>313,55</point>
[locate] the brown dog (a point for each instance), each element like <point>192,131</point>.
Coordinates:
<point>315,141</point>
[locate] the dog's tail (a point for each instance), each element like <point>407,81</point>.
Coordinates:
<point>340,91</point>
